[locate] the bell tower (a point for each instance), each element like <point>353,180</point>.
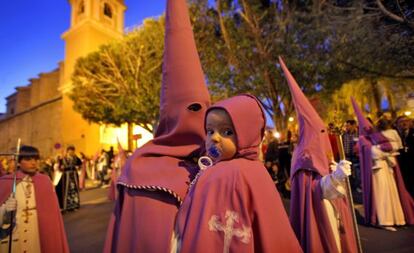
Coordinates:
<point>93,23</point>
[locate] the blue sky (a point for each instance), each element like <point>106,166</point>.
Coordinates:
<point>30,40</point>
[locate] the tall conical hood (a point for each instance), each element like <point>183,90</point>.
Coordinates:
<point>365,127</point>
<point>184,95</point>
<point>314,150</point>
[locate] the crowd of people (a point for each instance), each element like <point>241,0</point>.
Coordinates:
<point>277,150</point>
<point>70,172</point>
<point>200,185</point>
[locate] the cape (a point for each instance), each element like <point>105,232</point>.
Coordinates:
<point>235,207</point>
<point>144,214</point>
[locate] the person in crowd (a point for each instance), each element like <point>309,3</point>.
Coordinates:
<point>268,137</point>
<point>271,160</point>
<point>116,168</point>
<point>111,156</point>
<point>349,139</point>
<point>82,172</point>
<point>155,178</point>
<point>406,152</point>
<point>67,188</point>
<point>102,167</point>
<point>320,212</point>
<point>386,201</point>
<point>32,213</point>
<point>250,216</point>
<point>285,157</point>
<point>47,168</point>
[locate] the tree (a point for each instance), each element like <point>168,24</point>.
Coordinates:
<point>369,46</point>
<point>120,83</point>
<point>398,11</point>
<point>240,41</point>
<point>324,43</point>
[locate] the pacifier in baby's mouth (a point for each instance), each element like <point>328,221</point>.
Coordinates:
<point>214,152</point>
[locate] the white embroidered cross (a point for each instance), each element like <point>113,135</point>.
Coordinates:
<point>243,234</point>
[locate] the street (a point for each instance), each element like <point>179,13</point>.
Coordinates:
<point>86,228</point>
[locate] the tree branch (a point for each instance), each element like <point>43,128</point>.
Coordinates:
<point>379,74</point>
<point>392,15</point>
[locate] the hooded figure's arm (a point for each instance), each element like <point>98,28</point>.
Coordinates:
<point>333,184</point>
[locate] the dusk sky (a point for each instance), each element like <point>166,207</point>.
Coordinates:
<point>30,41</point>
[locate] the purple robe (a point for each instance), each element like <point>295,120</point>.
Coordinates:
<point>366,164</point>
<point>310,220</point>
<point>368,136</point>
<point>310,162</point>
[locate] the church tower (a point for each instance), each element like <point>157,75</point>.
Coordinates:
<point>93,23</point>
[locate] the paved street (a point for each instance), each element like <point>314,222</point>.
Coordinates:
<point>86,228</point>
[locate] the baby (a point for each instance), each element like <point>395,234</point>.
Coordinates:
<point>233,206</point>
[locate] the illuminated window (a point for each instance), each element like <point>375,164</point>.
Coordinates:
<point>107,10</point>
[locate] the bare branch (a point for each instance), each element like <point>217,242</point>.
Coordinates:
<point>392,15</point>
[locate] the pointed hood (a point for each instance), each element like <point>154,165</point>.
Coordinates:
<point>314,149</point>
<point>183,104</point>
<point>184,95</point>
<point>365,127</point>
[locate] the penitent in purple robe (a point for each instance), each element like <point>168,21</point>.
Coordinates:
<point>310,163</point>
<point>367,138</point>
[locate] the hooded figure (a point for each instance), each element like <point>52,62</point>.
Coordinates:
<point>319,212</point>
<point>155,178</point>
<point>234,206</point>
<point>392,197</point>
<point>39,224</point>
<point>119,163</point>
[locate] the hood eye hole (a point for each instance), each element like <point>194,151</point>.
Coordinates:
<point>323,131</point>
<point>194,107</point>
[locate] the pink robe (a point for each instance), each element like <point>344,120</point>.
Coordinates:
<point>155,179</point>
<point>238,195</point>
<point>52,233</point>
<point>234,205</point>
<point>145,211</point>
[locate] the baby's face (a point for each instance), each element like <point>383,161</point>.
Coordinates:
<point>220,135</point>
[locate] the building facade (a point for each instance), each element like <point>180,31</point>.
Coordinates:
<point>41,113</point>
